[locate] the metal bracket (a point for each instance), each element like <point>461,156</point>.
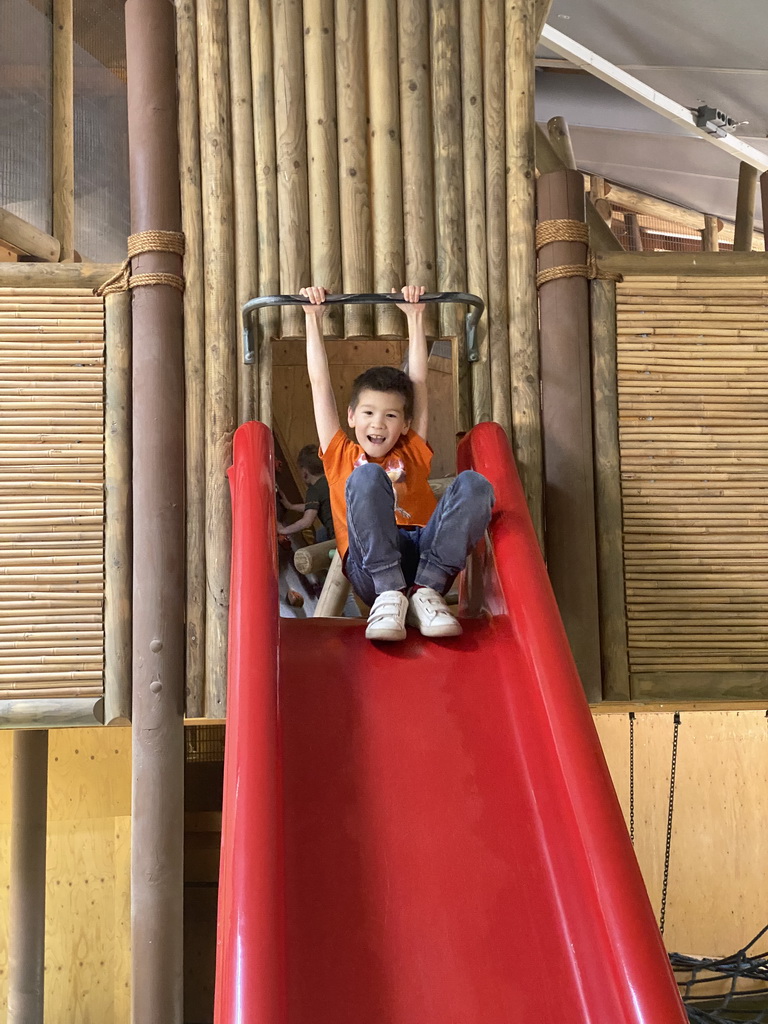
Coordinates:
<point>471,321</point>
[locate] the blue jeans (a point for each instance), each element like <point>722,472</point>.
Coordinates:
<point>384,556</point>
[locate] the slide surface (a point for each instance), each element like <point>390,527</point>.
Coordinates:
<point>422,832</point>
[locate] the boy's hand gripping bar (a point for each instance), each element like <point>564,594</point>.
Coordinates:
<point>473,316</point>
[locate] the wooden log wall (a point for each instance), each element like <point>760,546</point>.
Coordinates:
<point>692,363</point>
<point>379,142</point>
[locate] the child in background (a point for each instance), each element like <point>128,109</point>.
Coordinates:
<point>401,548</point>
<point>317,504</point>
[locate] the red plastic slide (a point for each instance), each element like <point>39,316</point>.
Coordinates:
<point>425,832</point>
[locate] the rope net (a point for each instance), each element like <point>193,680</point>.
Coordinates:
<point>732,988</point>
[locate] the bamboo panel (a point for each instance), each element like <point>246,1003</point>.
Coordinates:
<point>52,493</point>
<point>692,363</point>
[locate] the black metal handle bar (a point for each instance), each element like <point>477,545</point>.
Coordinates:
<point>471,321</point>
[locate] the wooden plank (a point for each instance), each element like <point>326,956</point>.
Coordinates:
<point>670,265</point>
<point>24,237</point>
<point>49,278</point>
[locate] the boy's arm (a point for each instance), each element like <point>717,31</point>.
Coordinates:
<point>417,356</point>
<point>291,505</point>
<point>301,524</point>
<point>323,401</point>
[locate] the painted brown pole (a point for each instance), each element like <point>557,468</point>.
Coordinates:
<point>474,191</point>
<point>266,193</point>
<point>322,155</point>
<point>157,846</point>
<point>521,255</point>
<point>356,257</point>
<point>293,201</point>
<point>416,140</point>
<point>566,395</point>
<point>385,171</point>
<point>221,338</point>
<point>709,236</point>
<point>63,122</point>
<point>26,922</point>
<point>244,189</point>
<point>743,228</point>
<point>494,110</point>
<point>194,354</point>
<point>117,507</point>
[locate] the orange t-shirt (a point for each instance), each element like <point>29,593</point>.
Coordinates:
<point>407,466</point>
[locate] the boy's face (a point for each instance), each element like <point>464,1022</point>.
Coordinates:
<point>378,420</point>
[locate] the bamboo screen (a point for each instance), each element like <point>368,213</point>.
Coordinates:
<point>51,493</point>
<point>693,431</point>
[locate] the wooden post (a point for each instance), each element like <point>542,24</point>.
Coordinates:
<point>385,170</point>
<point>566,395</point>
<point>416,135</point>
<point>521,256</point>
<point>494,91</point>
<point>634,234</point>
<point>26,919</point>
<point>293,202</point>
<point>560,137</point>
<point>598,190</point>
<point>323,155</point>
<point>764,202</point>
<point>157,839</point>
<point>63,122</point>
<point>449,191</point>
<point>474,191</point>
<point>357,268</point>
<point>244,192</point>
<point>543,8</point>
<point>709,239</point>
<point>266,193</point>
<point>745,208</point>
<point>117,501</point>
<point>194,353</point>
<point>221,337</point>
<point>610,546</point>
<point>334,593</point>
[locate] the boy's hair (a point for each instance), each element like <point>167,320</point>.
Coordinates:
<point>384,378</point>
<point>309,460</point>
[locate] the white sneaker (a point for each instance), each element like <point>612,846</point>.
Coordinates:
<point>386,620</point>
<point>427,610</point>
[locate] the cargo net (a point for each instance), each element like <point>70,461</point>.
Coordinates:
<point>733,988</point>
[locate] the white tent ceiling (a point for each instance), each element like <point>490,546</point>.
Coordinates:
<point>693,51</point>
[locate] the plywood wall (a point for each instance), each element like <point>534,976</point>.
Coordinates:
<point>88,871</point>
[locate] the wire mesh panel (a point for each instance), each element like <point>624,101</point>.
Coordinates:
<point>204,743</point>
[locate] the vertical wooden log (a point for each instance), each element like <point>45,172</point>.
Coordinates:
<point>356,255</point>
<point>521,255</point>
<point>194,354</point>
<point>764,201</point>
<point>385,171</point>
<point>221,337</point>
<point>743,228</point>
<point>494,110</point>
<point>474,191</point>
<point>610,547</point>
<point>335,591</point>
<point>416,135</point>
<point>244,188</point>
<point>157,838</point>
<point>445,64</point>
<point>63,125</point>
<point>322,154</point>
<point>266,193</point>
<point>560,137</point>
<point>634,234</point>
<point>543,8</point>
<point>26,918</point>
<point>709,236</point>
<point>566,398</point>
<point>117,498</point>
<point>291,141</point>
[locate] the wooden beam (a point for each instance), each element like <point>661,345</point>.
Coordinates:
<point>543,7</point>
<point>596,65</point>
<point>685,264</point>
<point>23,237</point>
<point>56,275</point>
<point>26,926</point>
<point>744,224</point>
<point>51,713</point>
<point>709,239</point>
<point>560,137</point>
<point>651,206</point>
<point>63,122</point>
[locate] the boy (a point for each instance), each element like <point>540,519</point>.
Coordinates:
<point>401,548</point>
<point>317,504</point>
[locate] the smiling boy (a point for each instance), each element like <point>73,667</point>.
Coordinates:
<point>401,548</point>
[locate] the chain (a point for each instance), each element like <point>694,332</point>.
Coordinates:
<point>667,851</point>
<point>632,777</point>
